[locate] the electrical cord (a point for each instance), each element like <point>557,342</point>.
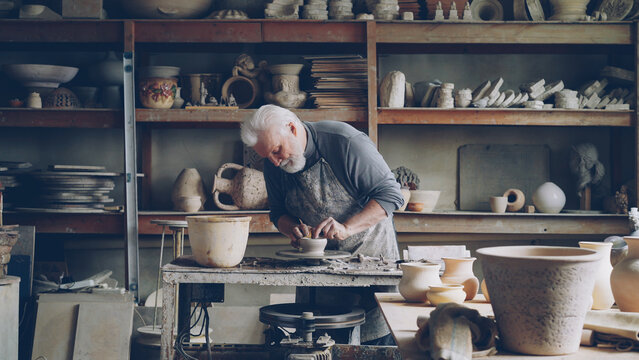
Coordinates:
<point>179,341</point>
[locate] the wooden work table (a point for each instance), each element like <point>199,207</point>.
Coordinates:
<point>401,317</point>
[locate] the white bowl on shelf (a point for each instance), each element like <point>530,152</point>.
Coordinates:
<point>427,199</point>
<point>39,75</point>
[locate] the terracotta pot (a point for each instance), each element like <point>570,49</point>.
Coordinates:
<point>166,9</point>
<point>441,294</point>
<point>158,93</point>
<point>459,270</point>
<point>188,183</point>
<point>247,188</point>
<point>625,278</point>
<point>568,9</point>
<point>540,295</point>
<point>416,280</point>
<point>218,241</point>
<point>549,198</point>
<point>602,297</point>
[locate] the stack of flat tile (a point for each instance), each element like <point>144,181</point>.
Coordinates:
<point>340,9</point>
<point>339,81</point>
<point>315,10</point>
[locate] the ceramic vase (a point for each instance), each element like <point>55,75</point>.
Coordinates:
<point>571,10</point>
<point>440,294</point>
<point>218,241</point>
<point>549,198</point>
<point>158,93</point>
<point>109,71</point>
<point>247,188</point>
<point>602,298</point>
<point>417,279</point>
<point>286,86</point>
<point>516,199</point>
<point>34,101</point>
<point>189,203</point>
<point>540,295</point>
<point>624,278</point>
<point>406,195</point>
<point>178,102</point>
<point>459,270</point>
<point>188,183</point>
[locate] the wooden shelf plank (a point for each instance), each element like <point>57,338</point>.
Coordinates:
<point>61,31</point>
<point>80,118</point>
<point>452,222</point>
<point>260,222</point>
<point>198,31</point>
<point>458,222</point>
<point>238,115</point>
<point>555,33</point>
<point>314,31</point>
<point>69,223</point>
<point>468,116</point>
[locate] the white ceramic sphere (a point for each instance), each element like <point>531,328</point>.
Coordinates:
<point>549,198</point>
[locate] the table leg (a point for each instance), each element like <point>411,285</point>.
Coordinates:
<point>168,320</point>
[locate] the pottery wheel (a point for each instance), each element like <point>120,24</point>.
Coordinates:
<point>328,254</point>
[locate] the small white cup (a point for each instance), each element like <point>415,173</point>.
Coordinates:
<point>498,204</point>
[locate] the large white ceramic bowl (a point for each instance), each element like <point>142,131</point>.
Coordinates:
<point>39,75</point>
<point>426,197</point>
<point>540,295</point>
<point>218,241</point>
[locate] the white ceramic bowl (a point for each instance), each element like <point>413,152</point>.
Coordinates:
<point>37,75</point>
<point>426,197</point>
<point>313,246</point>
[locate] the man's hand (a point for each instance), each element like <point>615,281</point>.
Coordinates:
<point>295,230</point>
<point>332,230</point>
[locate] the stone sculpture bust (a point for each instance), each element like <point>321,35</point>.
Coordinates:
<point>585,164</point>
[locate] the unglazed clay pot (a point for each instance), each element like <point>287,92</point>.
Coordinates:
<point>189,203</point>
<point>406,195</point>
<point>426,197</point>
<point>459,270</point>
<point>218,241</point>
<point>188,183</point>
<point>247,188</point>
<point>440,294</point>
<point>571,10</point>
<point>540,295</point>
<point>417,279</point>
<point>549,198</point>
<point>624,278</point>
<point>311,246</point>
<point>516,199</point>
<point>158,93</point>
<point>498,204</point>
<point>602,298</point>
<point>286,86</point>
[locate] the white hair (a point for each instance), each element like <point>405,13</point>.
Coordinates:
<point>265,118</point>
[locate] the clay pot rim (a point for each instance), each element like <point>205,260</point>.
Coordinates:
<point>563,253</point>
<point>419,264</point>
<point>445,287</point>
<point>466,258</point>
<point>218,218</point>
<point>596,243</point>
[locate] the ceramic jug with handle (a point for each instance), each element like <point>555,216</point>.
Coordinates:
<point>247,188</point>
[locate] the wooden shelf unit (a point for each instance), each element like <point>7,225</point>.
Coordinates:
<point>379,37</point>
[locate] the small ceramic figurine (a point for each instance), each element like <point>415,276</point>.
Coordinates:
<point>439,12</point>
<point>468,15</point>
<point>232,101</point>
<point>34,101</point>
<point>452,14</point>
<point>203,94</point>
<point>245,66</point>
<point>621,200</point>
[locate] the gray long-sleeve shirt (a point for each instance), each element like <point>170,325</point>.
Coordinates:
<point>354,159</point>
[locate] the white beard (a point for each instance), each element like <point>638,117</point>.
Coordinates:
<point>296,161</point>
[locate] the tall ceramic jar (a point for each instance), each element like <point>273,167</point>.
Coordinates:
<point>625,278</point>
<point>416,280</point>
<point>188,183</point>
<point>459,270</point>
<point>602,298</point>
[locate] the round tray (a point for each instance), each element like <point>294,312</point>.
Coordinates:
<point>328,254</point>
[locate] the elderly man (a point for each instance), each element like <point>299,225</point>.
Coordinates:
<point>327,178</point>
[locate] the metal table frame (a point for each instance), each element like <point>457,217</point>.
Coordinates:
<point>174,275</point>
